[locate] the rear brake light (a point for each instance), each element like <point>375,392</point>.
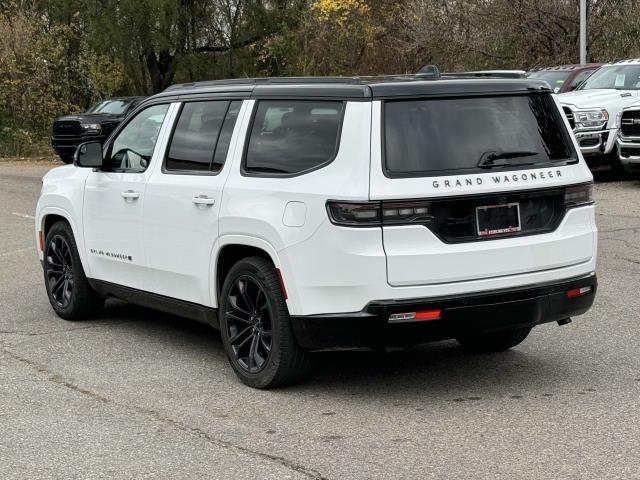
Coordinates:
<point>375,214</point>
<point>578,292</point>
<point>362,214</point>
<point>578,195</point>
<point>410,316</point>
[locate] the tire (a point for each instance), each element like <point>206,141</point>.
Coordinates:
<point>494,341</point>
<point>69,292</point>
<point>256,328</point>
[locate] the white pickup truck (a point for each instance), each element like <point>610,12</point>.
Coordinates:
<point>628,122</point>
<point>593,108</point>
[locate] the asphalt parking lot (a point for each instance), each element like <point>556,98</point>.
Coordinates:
<point>138,394</point>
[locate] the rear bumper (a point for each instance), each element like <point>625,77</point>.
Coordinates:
<point>460,314</point>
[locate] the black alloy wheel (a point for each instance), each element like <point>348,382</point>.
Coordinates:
<point>255,326</point>
<point>69,291</point>
<point>249,325</point>
<point>59,271</point>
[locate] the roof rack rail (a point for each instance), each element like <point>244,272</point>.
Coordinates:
<point>488,74</point>
<point>267,81</point>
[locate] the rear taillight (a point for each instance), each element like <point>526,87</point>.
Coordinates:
<point>351,214</point>
<point>376,214</point>
<point>578,195</point>
<point>394,213</point>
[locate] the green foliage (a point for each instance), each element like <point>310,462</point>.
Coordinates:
<point>59,56</point>
<point>47,70</point>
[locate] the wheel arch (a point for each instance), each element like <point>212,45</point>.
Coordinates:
<point>50,216</point>
<point>232,248</point>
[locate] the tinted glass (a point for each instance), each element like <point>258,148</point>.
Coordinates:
<point>224,139</point>
<point>133,147</point>
<point>432,136</point>
<point>293,136</point>
<point>115,107</point>
<point>195,136</point>
<point>553,78</point>
<point>620,77</point>
<point>579,78</point>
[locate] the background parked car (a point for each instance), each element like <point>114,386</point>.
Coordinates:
<point>565,78</point>
<point>94,124</point>
<point>592,110</point>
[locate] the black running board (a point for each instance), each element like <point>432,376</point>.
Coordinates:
<point>173,306</point>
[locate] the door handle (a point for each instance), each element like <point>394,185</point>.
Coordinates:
<point>204,200</point>
<point>130,195</point>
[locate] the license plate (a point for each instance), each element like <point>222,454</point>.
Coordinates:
<point>498,219</point>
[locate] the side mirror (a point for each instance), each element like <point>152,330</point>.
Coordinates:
<point>88,155</point>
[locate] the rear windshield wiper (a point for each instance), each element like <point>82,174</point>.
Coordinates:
<point>490,159</point>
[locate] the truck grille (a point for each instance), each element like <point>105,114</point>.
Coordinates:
<point>454,220</point>
<point>569,114</point>
<point>67,127</point>
<point>630,123</point>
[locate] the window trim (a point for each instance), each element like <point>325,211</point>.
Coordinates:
<point>245,150</point>
<point>209,172</point>
<point>106,155</point>
<point>574,159</point>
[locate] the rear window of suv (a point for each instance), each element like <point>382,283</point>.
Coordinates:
<point>290,137</point>
<point>467,135</point>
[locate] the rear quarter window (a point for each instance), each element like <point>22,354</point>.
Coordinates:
<point>290,137</point>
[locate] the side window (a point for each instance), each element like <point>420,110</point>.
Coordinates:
<point>293,136</point>
<point>132,149</point>
<point>195,136</point>
<point>579,78</point>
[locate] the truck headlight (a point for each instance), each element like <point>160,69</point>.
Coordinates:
<point>92,127</point>
<point>591,118</point>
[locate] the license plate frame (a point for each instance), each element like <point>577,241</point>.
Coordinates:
<point>507,226</point>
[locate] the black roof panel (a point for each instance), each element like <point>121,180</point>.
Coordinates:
<point>456,86</point>
<point>356,88</point>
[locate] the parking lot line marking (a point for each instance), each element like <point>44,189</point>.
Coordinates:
<point>23,215</point>
<point>14,252</point>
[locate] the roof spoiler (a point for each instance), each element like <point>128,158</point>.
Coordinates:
<point>429,71</point>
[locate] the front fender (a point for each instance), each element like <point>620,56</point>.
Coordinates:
<point>62,194</point>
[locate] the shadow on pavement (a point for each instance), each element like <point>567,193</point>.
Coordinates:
<point>441,370</point>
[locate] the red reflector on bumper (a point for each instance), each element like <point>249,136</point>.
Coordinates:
<point>40,240</point>
<point>284,289</point>
<point>412,316</point>
<point>578,292</point>
<point>428,314</point>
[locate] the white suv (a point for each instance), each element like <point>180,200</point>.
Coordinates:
<point>593,109</point>
<point>322,213</point>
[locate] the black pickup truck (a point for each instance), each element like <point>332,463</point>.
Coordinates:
<point>94,124</point>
